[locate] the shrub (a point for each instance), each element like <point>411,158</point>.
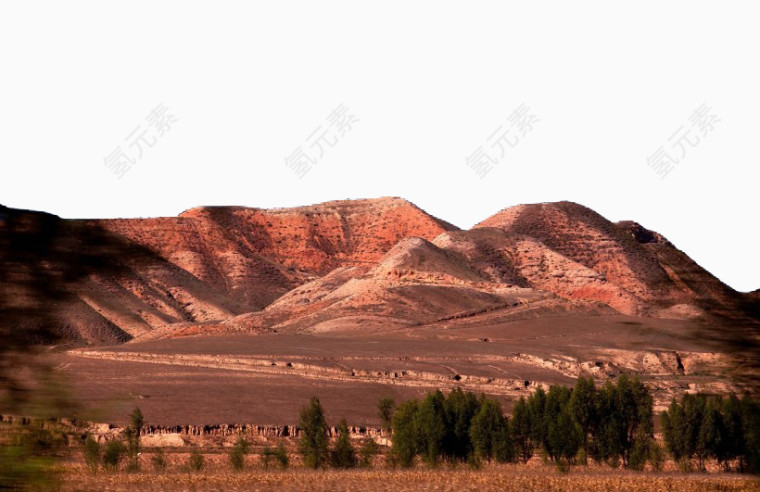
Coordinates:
<point>113,454</point>
<point>27,457</point>
<point>266,457</point>
<point>343,454</point>
<point>159,460</point>
<point>367,453</point>
<point>282,457</point>
<point>92,451</point>
<point>237,455</point>
<point>196,461</point>
<point>656,455</point>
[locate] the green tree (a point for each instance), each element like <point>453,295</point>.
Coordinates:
<point>132,433</point>
<point>711,433</point>
<point>431,427</point>
<point>314,443</point>
<point>641,451</point>
<point>563,439</point>
<point>385,408</point>
<point>750,460</point>
<point>238,452</point>
<point>459,409</point>
<point>609,435</point>
<point>681,425</point>
<point>635,406</point>
<point>734,439</point>
<point>656,455</point>
<point>343,454</point>
<point>712,427</point>
<point>490,434</point>
<point>625,411</point>
<point>521,430</point>
<point>504,446</point>
<point>694,411</point>
<point>536,410</point>
<point>560,431</point>
<point>674,432</point>
<point>583,410</point>
<point>405,440</point>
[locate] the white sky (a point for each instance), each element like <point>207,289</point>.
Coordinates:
<point>428,81</point>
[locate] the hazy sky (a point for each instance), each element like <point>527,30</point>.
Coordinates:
<point>563,100</point>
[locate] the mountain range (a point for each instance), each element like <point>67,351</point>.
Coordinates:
<point>342,266</point>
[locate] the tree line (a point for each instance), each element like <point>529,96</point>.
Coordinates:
<point>314,444</point>
<point>113,453</point>
<point>613,424</point>
<point>703,427</point>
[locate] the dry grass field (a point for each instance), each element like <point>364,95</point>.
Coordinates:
<point>536,475</point>
<point>503,477</point>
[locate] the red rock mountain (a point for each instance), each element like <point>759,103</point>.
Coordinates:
<point>362,264</point>
<point>638,271</point>
<point>209,263</point>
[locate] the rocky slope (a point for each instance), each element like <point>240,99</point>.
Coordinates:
<point>634,270</point>
<point>206,265</point>
<point>349,265</point>
<point>415,282</point>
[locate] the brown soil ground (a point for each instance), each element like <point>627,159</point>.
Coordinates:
<point>266,379</point>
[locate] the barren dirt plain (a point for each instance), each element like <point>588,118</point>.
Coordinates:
<point>265,379</point>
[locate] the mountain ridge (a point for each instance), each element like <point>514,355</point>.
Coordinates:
<point>228,266</point>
